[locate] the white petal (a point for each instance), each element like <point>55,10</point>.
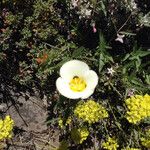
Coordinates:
<point>91,79</point>
<point>63,87</point>
<point>119,39</point>
<point>73,68</point>
<point>87,93</point>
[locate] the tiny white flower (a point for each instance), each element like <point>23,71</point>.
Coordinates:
<point>76,80</point>
<point>74,3</point>
<point>88,12</point>
<point>119,38</point>
<point>133,4</point>
<point>110,71</point>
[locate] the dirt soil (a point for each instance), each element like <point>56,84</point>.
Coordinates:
<point>30,114</point>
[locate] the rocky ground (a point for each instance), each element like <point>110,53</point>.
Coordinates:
<point>30,113</point>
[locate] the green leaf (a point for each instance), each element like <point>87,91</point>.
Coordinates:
<point>137,64</point>
<point>103,8</point>
<point>137,82</point>
<point>137,53</point>
<point>102,43</point>
<point>109,58</point>
<point>128,66</point>
<point>78,52</point>
<point>101,62</point>
<point>126,57</point>
<point>147,79</point>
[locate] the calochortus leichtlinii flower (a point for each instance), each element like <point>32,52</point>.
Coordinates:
<point>90,111</point>
<point>138,108</point>
<point>6,127</point>
<point>76,80</point>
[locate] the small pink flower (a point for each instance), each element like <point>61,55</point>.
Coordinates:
<point>131,92</point>
<point>94,30</point>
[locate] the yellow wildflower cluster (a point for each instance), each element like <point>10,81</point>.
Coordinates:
<point>79,135</point>
<point>6,127</point>
<point>146,140</point>
<point>111,144</point>
<point>138,108</point>
<point>90,111</point>
<point>131,149</point>
<point>61,122</point>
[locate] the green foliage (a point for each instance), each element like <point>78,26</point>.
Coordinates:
<point>38,36</point>
<point>133,67</point>
<point>144,19</point>
<point>104,56</point>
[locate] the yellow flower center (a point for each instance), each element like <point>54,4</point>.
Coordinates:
<point>77,84</point>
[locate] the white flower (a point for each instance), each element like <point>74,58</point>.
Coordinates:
<point>76,80</point>
<point>88,12</point>
<point>85,12</point>
<point>74,3</point>
<point>133,5</point>
<point>120,38</point>
<point>110,71</point>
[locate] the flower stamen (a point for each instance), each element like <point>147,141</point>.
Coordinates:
<point>77,84</point>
